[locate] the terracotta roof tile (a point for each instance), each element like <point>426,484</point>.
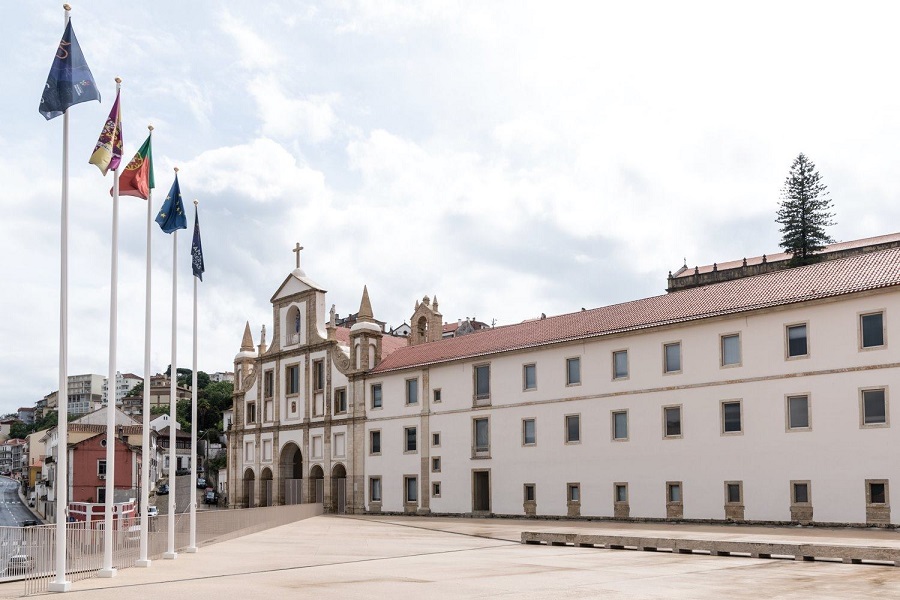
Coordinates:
<point>830,278</point>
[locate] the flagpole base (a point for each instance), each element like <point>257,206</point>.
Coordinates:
<point>107,573</point>
<point>191,550</point>
<point>60,586</point>
<point>144,562</point>
<point>170,555</point>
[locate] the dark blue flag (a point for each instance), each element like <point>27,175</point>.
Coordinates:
<point>171,215</point>
<point>197,249</point>
<point>70,80</point>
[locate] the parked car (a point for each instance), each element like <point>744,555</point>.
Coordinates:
<point>162,490</point>
<point>201,483</point>
<point>19,564</point>
<point>183,472</point>
<point>211,497</point>
<point>152,511</point>
<point>30,523</point>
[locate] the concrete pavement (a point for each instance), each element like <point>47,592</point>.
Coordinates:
<point>390,557</point>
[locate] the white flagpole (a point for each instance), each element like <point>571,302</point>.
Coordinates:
<point>62,396</point>
<point>173,379</point>
<point>192,547</point>
<point>144,560</point>
<point>108,570</point>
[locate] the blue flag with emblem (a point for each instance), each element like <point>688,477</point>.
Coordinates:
<point>197,249</point>
<point>70,80</point>
<point>171,215</point>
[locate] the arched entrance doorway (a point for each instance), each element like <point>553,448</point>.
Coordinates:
<point>265,487</point>
<point>291,472</point>
<point>339,489</point>
<point>317,484</point>
<point>249,480</point>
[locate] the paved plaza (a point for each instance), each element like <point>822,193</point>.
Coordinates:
<point>415,557</point>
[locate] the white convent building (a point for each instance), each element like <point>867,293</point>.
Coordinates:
<point>749,392</point>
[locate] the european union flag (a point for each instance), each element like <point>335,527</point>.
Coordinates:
<point>197,249</point>
<point>171,215</point>
<point>70,80</point>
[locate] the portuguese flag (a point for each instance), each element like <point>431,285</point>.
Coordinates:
<point>137,178</point>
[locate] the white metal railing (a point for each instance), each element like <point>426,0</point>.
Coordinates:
<point>29,552</point>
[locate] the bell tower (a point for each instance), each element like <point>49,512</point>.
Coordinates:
<point>427,322</point>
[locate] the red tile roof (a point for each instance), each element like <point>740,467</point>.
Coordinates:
<point>830,278</point>
<point>778,256</point>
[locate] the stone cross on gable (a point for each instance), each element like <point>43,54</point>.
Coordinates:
<point>297,250</point>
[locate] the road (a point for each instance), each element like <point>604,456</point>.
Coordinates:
<point>185,489</point>
<point>12,511</point>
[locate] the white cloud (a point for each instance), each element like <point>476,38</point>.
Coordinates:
<point>310,117</point>
<point>254,52</point>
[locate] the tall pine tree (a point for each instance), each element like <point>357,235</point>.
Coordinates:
<point>804,212</point>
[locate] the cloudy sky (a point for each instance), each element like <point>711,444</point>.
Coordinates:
<point>512,158</point>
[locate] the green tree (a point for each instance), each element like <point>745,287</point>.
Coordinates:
<point>804,212</point>
<point>19,430</point>
<point>137,390</point>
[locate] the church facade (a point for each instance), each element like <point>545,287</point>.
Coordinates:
<point>763,398</point>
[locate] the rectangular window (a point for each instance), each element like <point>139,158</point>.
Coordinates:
<point>797,340</point>
<point>573,371</point>
<point>877,492</point>
<point>340,400</point>
<point>317,446</point>
<point>872,329</point>
<point>101,467</point>
<point>798,412</point>
<point>800,492</point>
<point>251,412</point>
<point>529,433</point>
<point>482,375</point>
<point>672,357</point>
<point>375,489</point>
<point>292,379</point>
<point>672,418</point>
<point>412,391</point>
<point>731,417</point>
<point>673,491</point>
<point>481,436</point>
<point>436,464</point>
<point>437,396</point>
<point>436,489</point>
<point>529,377</point>
<point>620,424</point>
<point>318,375</point>
<point>411,485</point>
<point>340,447</point>
<point>269,384</point>
<point>621,492</point>
<point>874,407</point>
<point>530,492</point>
<point>573,429</point>
<point>620,364</point>
<point>248,453</point>
<point>376,395</point>
<point>573,492</point>
<point>375,441</point>
<point>409,436</point>
<point>731,350</point>
<point>436,439</point>
<point>734,492</point>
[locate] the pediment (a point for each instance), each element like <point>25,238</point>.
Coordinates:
<point>296,283</point>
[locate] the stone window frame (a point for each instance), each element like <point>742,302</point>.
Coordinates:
<point>722,403</point>
<point>337,409</point>
<point>372,480</point>
<point>435,489</point>
<point>372,396</point>
<point>793,490</point>
<point>787,412</point>
<point>526,444</point>
<point>525,367</point>
<point>627,374</point>
<point>862,407</point>
<point>436,395</point>
<point>406,488</point>
<point>740,362</point>
<point>312,451</point>
<point>287,379</point>
<point>620,485</point>
<point>612,424</point>
<point>481,399</point>
<point>533,488</point>
<point>251,415</point>
<point>669,486</point>
<point>665,428</point>
<point>569,360</point>
<point>318,375</point>
<point>566,428</point>
<point>435,439</point>
<point>268,383</point>
<point>887,494</point>
<point>372,433</point>
<point>787,343</point>
<point>249,451</point>
<point>573,492</point>
<point>665,362</point>
<point>408,400</point>
<point>859,325</point>
<point>334,445</point>
<point>103,470</point>
<point>435,464</point>
<point>740,500</point>
<point>415,431</point>
<point>476,452</point>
